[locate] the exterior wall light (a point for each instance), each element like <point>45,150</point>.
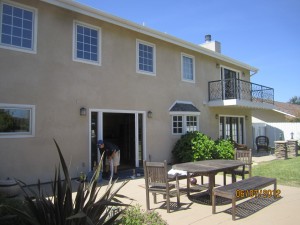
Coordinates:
<point>292,135</point>
<point>217,116</point>
<point>82,111</point>
<point>149,114</point>
<point>217,65</point>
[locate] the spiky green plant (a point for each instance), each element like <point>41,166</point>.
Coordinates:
<point>88,207</point>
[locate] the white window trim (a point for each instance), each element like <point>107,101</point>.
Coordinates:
<point>182,70</point>
<point>184,113</point>
<point>35,18</point>
<point>184,121</point>
<point>32,121</point>
<point>75,22</point>
<point>137,58</point>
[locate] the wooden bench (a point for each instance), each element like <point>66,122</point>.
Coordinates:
<point>248,188</point>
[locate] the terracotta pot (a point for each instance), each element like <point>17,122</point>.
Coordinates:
<point>9,188</point>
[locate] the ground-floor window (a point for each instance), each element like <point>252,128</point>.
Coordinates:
<point>16,120</point>
<point>184,123</point>
<point>231,127</point>
<point>191,123</point>
<point>177,124</point>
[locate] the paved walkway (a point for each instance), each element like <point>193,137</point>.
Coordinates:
<point>262,158</point>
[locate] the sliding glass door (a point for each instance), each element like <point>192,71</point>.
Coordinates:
<point>232,128</point>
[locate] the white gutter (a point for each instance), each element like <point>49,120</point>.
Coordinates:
<point>287,114</point>
<point>95,13</point>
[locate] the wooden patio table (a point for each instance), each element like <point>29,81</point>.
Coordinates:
<point>208,168</point>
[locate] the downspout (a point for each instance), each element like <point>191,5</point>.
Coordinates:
<point>254,72</point>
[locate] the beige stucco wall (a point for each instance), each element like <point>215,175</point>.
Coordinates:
<point>59,86</point>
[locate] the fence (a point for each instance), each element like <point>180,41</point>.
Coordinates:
<point>276,131</point>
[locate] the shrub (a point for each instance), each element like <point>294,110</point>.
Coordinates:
<point>60,207</point>
<point>196,146</point>
<point>136,216</point>
<point>193,146</point>
<point>224,149</point>
<point>183,151</point>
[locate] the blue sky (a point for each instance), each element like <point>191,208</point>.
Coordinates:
<point>262,33</point>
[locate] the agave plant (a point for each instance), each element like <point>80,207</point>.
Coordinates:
<point>61,209</point>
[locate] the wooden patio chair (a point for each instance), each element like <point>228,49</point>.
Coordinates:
<point>262,142</point>
<point>157,182</point>
<point>246,157</point>
<point>239,146</point>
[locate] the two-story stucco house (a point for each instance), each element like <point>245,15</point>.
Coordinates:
<point>76,74</point>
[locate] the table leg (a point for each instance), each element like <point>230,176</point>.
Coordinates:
<point>188,183</point>
<point>233,177</point>
<point>211,185</point>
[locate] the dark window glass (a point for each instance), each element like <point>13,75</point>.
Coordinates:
<point>17,25</point>
<point>15,120</point>
<point>146,58</point>
<point>87,43</point>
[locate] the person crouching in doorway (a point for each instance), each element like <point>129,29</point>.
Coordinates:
<point>112,158</point>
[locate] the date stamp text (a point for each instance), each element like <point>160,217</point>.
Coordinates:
<point>258,193</point>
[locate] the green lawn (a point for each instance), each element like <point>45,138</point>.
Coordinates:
<point>287,171</point>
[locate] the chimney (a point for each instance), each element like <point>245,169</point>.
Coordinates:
<point>207,38</point>
<point>211,45</point>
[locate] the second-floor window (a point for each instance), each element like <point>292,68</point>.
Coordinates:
<point>145,57</point>
<point>18,27</point>
<point>188,67</point>
<point>86,43</point>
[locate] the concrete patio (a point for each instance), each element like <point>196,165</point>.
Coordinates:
<point>285,210</point>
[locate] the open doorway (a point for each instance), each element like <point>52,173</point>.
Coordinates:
<point>119,128</point>
<point>123,129</point>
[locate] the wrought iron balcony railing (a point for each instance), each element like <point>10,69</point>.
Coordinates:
<point>239,89</point>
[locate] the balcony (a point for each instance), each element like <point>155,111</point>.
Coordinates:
<point>236,92</point>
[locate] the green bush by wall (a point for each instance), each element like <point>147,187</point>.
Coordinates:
<point>196,146</point>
